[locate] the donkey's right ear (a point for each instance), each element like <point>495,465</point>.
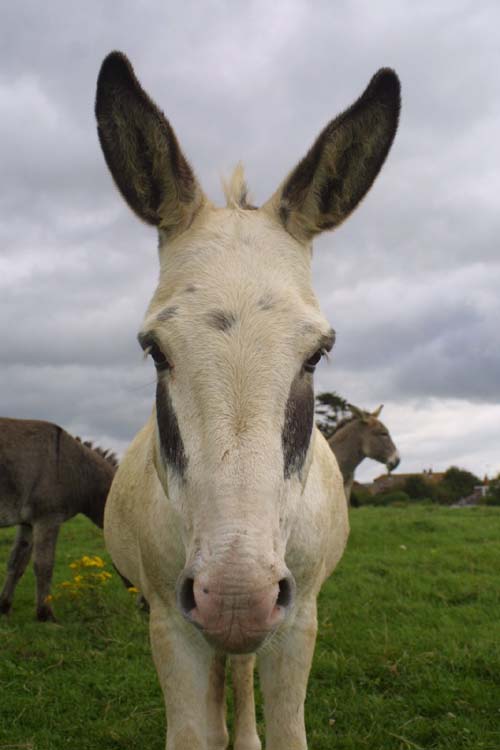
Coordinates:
<point>141,150</point>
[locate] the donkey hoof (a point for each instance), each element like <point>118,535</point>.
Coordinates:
<point>45,614</point>
<point>5,607</point>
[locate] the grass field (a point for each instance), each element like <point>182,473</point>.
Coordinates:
<point>408,654</point>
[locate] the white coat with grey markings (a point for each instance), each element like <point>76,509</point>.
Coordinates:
<point>228,510</point>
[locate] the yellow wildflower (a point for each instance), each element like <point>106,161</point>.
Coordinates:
<point>103,577</point>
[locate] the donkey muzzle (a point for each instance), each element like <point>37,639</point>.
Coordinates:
<point>236,617</point>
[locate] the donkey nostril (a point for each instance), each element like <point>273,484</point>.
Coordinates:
<point>187,601</point>
<point>285,593</point>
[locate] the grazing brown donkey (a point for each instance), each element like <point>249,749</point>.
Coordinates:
<point>228,511</point>
<point>46,478</point>
<point>358,437</point>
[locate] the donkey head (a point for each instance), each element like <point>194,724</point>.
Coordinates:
<point>235,332</point>
<point>376,442</point>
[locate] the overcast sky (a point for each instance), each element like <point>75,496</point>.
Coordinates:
<point>411,282</point>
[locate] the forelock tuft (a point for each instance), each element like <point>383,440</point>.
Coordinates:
<point>236,190</point>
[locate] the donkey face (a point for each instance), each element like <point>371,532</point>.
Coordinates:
<point>377,442</point>
<point>235,332</point>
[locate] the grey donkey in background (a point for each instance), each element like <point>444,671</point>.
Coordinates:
<point>361,436</point>
<point>46,477</point>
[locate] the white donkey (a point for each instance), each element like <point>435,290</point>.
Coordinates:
<point>228,510</point>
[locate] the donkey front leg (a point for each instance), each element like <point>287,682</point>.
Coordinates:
<point>183,662</point>
<point>245,729</point>
<point>218,736</point>
<point>44,549</point>
<point>284,672</point>
<point>18,560</point>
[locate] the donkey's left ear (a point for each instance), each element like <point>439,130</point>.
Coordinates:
<point>341,166</point>
<point>376,413</point>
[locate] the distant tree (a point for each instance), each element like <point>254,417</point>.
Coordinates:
<point>442,494</point>
<point>457,483</point>
<point>330,409</point>
<point>493,494</point>
<point>417,488</point>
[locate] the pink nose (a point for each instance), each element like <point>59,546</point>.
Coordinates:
<point>237,620</point>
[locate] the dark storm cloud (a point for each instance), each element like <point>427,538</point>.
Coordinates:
<point>409,282</point>
<point>92,401</point>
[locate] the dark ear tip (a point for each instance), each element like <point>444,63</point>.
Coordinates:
<point>116,72</point>
<point>385,85</point>
<point>116,67</point>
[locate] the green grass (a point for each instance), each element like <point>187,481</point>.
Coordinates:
<point>408,653</point>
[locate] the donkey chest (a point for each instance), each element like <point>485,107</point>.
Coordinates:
<point>161,548</point>
<point>307,554</point>
<point>321,527</point>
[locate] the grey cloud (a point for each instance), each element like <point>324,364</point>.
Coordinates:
<point>426,335</point>
<point>86,400</point>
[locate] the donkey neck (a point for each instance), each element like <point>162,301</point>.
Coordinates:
<point>347,445</point>
<point>98,485</point>
<point>91,477</point>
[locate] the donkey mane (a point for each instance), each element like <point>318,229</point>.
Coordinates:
<point>236,190</point>
<point>108,455</point>
<point>344,422</point>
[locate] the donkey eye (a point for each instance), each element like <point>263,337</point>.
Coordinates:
<point>160,361</point>
<point>310,364</point>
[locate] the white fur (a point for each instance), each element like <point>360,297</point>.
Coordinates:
<point>249,507</point>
